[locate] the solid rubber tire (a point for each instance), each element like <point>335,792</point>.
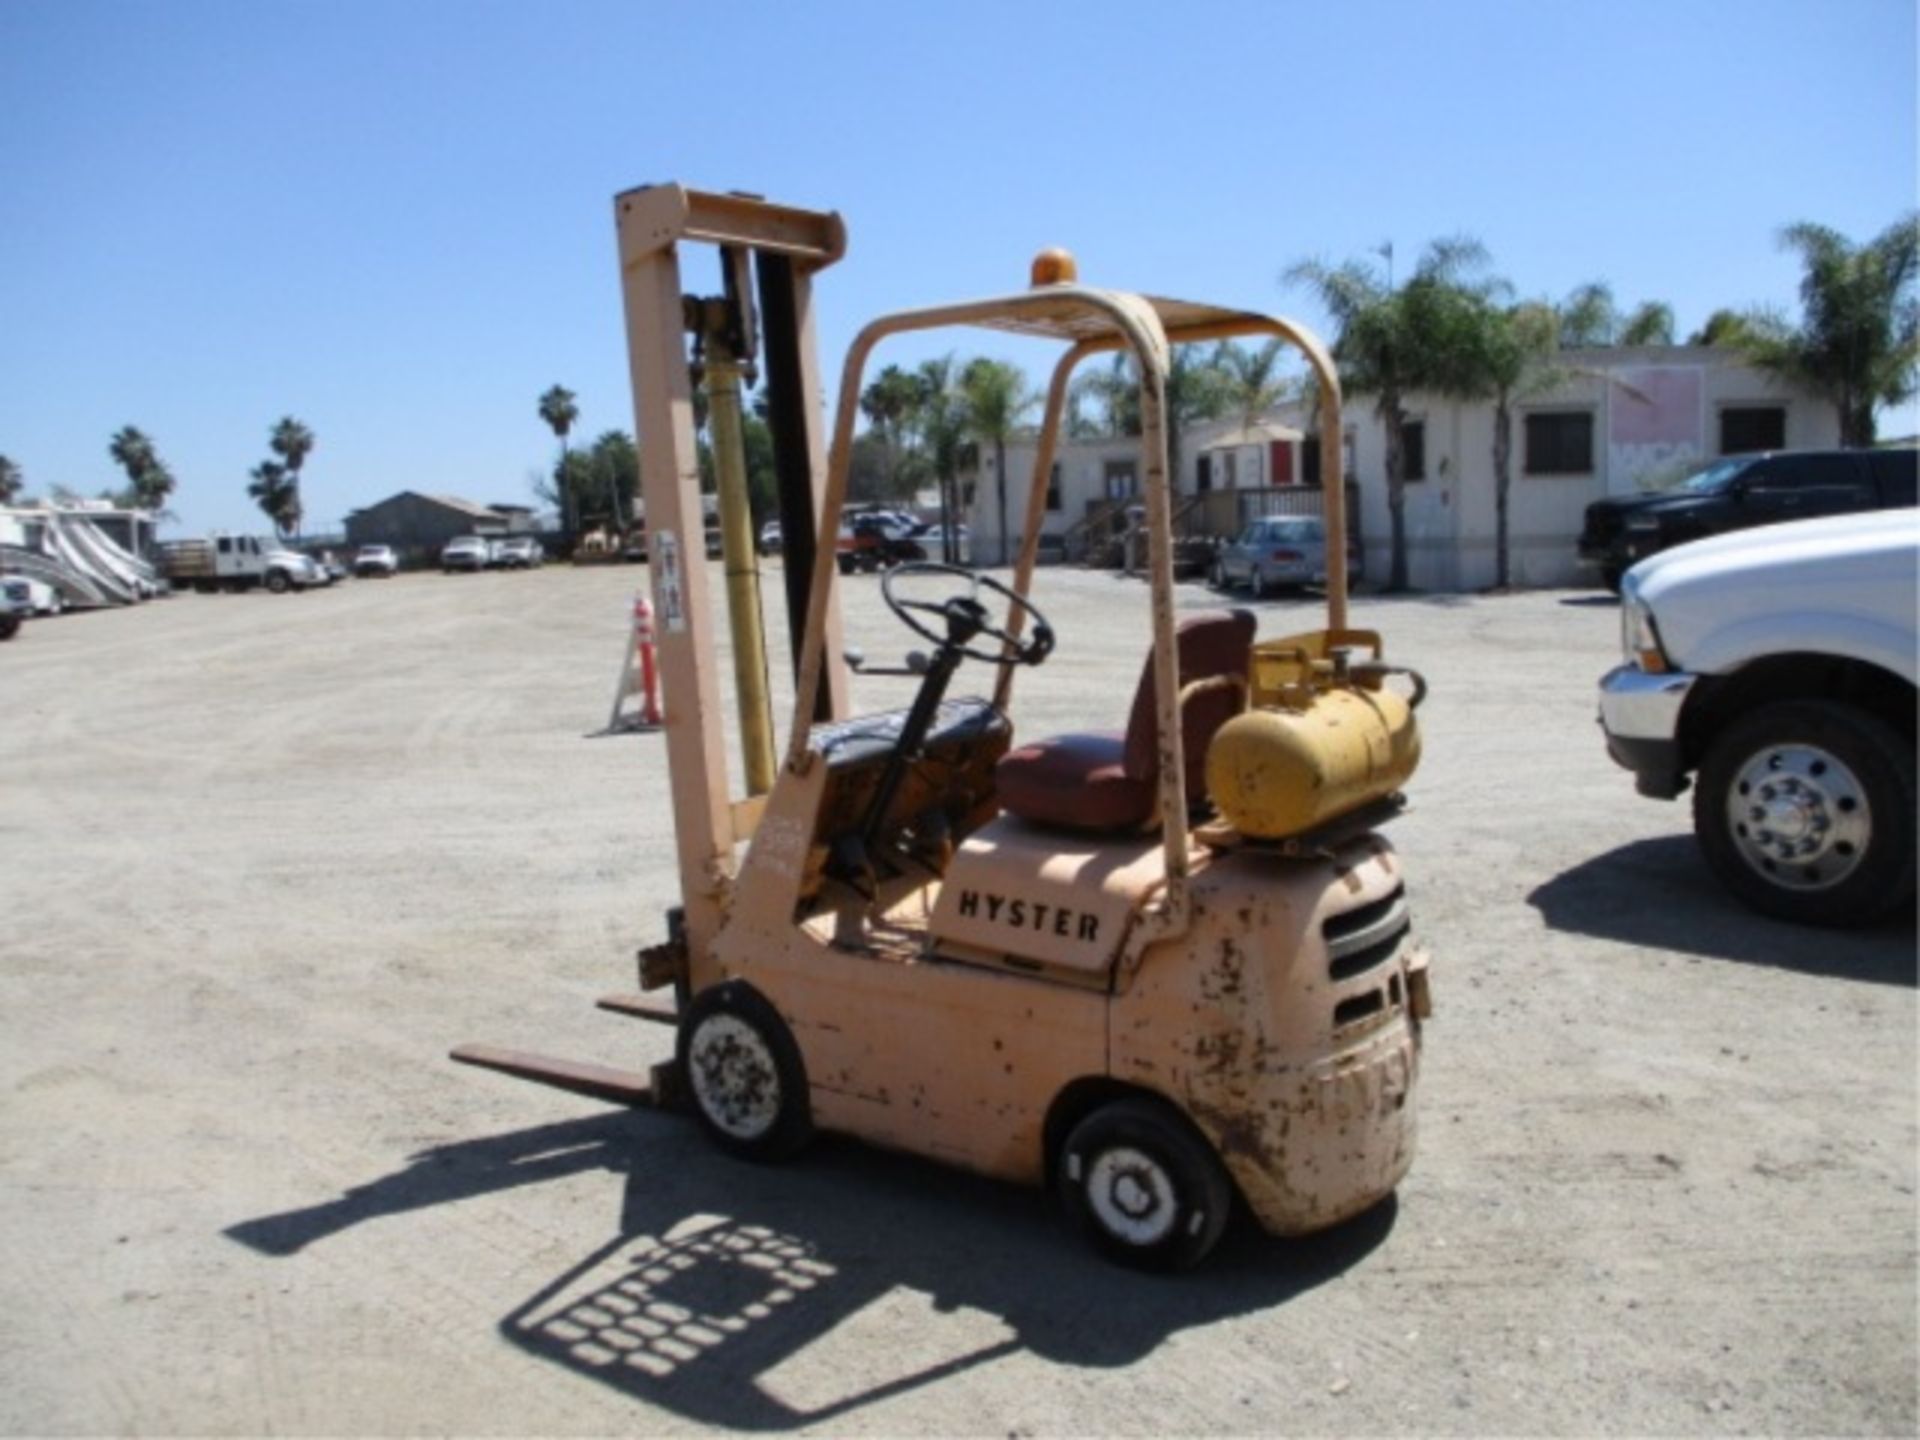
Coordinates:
<point>793,1125</point>
<point>1200,1182</point>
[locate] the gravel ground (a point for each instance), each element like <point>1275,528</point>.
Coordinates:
<point>266,859</point>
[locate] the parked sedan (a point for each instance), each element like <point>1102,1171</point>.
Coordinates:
<point>469,552</point>
<point>1274,552</point>
<point>375,560</point>
<point>519,552</point>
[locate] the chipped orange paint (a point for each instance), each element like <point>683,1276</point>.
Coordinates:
<point>950,1011</point>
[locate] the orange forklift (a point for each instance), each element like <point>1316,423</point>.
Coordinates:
<point>1154,969</point>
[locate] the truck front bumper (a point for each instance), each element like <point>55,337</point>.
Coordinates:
<point>1640,713</point>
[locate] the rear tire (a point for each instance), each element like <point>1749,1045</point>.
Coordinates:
<point>1144,1186</point>
<point>9,626</point>
<point>1610,576</point>
<point>1805,811</point>
<point>744,1073</point>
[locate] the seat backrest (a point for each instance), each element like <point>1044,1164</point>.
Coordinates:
<point>1215,642</point>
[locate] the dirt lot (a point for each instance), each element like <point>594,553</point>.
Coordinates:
<point>265,859</point>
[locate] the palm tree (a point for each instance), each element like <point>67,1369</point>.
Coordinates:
<point>1858,343</point>
<point>996,395</point>
<point>1391,343</point>
<point>1198,390</point>
<point>1723,327</point>
<point>939,419</point>
<point>1253,384</point>
<point>888,403</point>
<point>11,481</point>
<point>149,482</point>
<point>1517,344</point>
<point>277,496</point>
<point>1588,317</point>
<point>559,411</point>
<point>1651,323</point>
<point>1200,387</point>
<point>292,442</point>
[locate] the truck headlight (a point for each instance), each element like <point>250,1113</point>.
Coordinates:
<point>1640,636</point>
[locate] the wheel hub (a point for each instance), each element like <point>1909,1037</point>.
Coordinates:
<point>734,1077</point>
<point>1132,1195</point>
<point>1799,816</point>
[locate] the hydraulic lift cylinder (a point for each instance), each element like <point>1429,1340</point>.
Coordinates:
<point>742,566</point>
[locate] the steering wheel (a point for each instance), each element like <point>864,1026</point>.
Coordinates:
<point>965,618</point>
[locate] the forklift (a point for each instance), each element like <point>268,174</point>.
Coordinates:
<point>1167,971</point>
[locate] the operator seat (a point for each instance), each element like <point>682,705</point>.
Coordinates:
<point>1109,782</point>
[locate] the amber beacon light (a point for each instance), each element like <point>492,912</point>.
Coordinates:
<point>1054,267</point>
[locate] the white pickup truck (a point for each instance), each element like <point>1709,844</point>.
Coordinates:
<point>1777,667</point>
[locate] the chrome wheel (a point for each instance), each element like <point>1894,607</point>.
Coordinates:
<point>1799,816</point>
<point>735,1078</point>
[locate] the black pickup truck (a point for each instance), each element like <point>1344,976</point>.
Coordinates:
<point>1738,491</point>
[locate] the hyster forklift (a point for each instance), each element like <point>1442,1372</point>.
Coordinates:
<point>1155,969</point>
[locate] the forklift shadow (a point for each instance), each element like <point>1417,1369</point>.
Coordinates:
<point>1659,893</point>
<point>776,1297</point>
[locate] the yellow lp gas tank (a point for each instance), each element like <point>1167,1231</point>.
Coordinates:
<point>1322,738</point>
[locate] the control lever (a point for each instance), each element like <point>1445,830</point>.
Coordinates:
<point>916,663</point>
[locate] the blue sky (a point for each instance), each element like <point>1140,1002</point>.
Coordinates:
<point>394,222</point>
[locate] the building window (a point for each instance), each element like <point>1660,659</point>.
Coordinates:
<point>1204,473</point>
<point>1310,461</point>
<point>1413,450</point>
<point>966,494</point>
<point>1746,428</point>
<point>1560,443</point>
<point>1053,487</point>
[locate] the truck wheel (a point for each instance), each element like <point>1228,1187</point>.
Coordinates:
<point>1143,1186</point>
<point>9,626</point>
<point>277,581</point>
<point>1805,811</point>
<point>845,562</point>
<point>1610,576</point>
<point>744,1072</point>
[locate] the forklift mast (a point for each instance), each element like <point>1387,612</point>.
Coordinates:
<point>781,248</point>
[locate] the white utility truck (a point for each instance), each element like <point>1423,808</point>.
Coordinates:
<point>237,562</point>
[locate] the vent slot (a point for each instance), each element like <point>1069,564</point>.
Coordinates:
<point>1348,922</point>
<point>1361,939</point>
<point>1358,1008</point>
<point>1345,967</point>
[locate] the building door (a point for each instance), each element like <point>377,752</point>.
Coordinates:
<point>1280,462</point>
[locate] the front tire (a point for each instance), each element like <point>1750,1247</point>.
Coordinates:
<point>277,582</point>
<point>744,1073</point>
<point>1144,1186</point>
<point>1805,811</point>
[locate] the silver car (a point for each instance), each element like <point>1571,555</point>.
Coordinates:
<point>518,552</point>
<point>1274,552</point>
<point>469,552</point>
